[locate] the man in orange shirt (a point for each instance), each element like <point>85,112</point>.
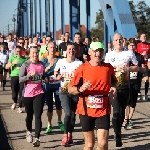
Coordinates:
<point>94,107</point>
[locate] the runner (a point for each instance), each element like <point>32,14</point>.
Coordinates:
<point>64,70</point>
<point>135,81</point>
<point>31,73</point>
<point>81,49</point>
<point>92,81</point>
<point>3,62</point>
<point>44,48</point>
<point>14,63</point>
<point>144,49</point>
<point>52,87</point>
<point>120,60</point>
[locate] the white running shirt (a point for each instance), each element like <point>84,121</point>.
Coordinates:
<point>118,60</point>
<point>67,71</point>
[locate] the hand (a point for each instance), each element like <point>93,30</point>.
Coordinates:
<point>49,67</point>
<point>114,92</point>
<point>144,53</point>
<point>85,86</point>
<point>146,78</point>
<point>32,73</point>
<point>59,77</point>
<point>46,80</point>
<point>15,62</point>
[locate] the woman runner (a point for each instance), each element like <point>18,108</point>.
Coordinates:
<point>52,87</point>
<point>64,70</point>
<point>31,73</point>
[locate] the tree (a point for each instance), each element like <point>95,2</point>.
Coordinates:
<point>141,16</point>
<point>98,31</point>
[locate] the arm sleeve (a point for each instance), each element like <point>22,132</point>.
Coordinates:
<point>22,74</point>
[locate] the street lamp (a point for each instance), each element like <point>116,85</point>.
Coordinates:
<point>14,20</point>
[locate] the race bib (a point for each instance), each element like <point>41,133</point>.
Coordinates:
<point>133,75</point>
<point>18,66</point>
<point>68,74</point>
<point>95,101</point>
<point>37,78</point>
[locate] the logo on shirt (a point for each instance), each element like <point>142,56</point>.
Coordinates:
<point>63,67</point>
<point>112,59</point>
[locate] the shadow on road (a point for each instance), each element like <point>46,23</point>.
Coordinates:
<point>4,142</point>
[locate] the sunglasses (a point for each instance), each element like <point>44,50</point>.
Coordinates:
<point>21,42</point>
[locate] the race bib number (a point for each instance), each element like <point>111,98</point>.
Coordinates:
<point>95,101</point>
<point>37,78</point>
<point>133,75</point>
<point>68,74</point>
<point>18,66</point>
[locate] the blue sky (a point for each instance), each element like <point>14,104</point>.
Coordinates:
<point>7,8</point>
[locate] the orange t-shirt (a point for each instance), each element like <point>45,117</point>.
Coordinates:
<point>100,77</point>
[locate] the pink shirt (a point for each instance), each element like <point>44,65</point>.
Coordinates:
<point>34,84</point>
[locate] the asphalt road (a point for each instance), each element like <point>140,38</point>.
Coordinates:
<point>12,130</point>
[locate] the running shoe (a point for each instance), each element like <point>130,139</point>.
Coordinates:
<point>70,140</point>
<point>48,129</point>
<point>139,97</point>
<point>29,137</point>
<point>145,97</point>
<point>20,110</point>
<point>36,143</point>
<point>124,124</point>
<point>13,107</point>
<point>64,141</point>
<point>3,88</point>
<point>118,140</point>
<point>61,125</point>
<point>130,125</point>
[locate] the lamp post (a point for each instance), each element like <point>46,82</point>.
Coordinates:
<point>14,20</point>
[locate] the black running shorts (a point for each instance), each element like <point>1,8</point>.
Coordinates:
<point>2,69</point>
<point>89,123</point>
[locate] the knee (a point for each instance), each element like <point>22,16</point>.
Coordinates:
<point>102,144</point>
<point>90,145</point>
<point>115,115</point>
<point>68,115</point>
<point>50,109</point>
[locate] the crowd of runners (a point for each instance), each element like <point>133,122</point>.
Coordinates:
<point>79,77</point>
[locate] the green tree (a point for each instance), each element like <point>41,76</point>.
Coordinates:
<point>98,31</point>
<point>141,16</point>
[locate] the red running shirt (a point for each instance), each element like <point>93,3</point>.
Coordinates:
<point>144,46</point>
